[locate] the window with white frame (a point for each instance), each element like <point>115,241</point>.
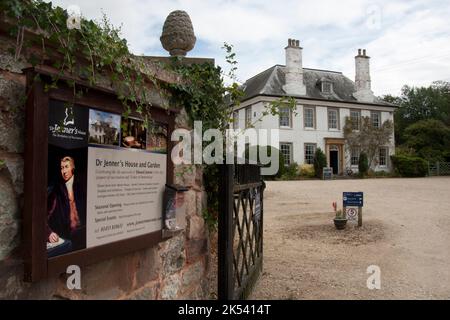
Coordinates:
<point>248,117</point>
<point>285,117</point>
<point>382,157</point>
<point>354,156</point>
<point>333,119</point>
<point>286,150</point>
<point>376,119</point>
<point>308,117</point>
<point>355,117</point>
<point>327,87</point>
<point>310,150</point>
<point>236,120</point>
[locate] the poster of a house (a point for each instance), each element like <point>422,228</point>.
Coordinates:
<point>104,127</point>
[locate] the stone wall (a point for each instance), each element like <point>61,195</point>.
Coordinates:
<point>178,268</point>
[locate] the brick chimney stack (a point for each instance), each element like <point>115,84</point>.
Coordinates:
<point>362,78</point>
<point>294,69</point>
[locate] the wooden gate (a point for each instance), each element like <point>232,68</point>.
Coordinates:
<point>240,230</point>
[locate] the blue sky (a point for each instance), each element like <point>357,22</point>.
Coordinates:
<point>408,41</point>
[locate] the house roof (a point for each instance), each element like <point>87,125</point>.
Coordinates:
<point>271,81</point>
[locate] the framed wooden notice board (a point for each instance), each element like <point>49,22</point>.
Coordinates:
<point>94,179</point>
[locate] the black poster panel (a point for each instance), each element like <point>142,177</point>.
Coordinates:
<point>66,190</point>
<point>67,125</point>
<point>67,178</point>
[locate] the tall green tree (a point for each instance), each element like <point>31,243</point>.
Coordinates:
<point>420,103</point>
<point>430,139</point>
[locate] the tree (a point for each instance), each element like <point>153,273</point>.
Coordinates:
<point>320,161</point>
<point>369,138</point>
<point>422,103</point>
<point>392,99</point>
<point>429,138</point>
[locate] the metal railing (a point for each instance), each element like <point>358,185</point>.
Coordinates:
<point>438,168</point>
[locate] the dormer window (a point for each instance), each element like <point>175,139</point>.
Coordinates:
<point>327,87</point>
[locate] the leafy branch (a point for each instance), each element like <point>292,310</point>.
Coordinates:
<point>92,51</point>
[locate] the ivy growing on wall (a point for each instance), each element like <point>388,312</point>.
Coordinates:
<point>88,49</point>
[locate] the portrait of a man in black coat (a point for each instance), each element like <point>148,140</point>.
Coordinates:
<point>66,227</point>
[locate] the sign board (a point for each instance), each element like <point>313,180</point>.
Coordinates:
<point>353,199</point>
<point>105,182</point>
<point>96,178</point>
<point>351,214</point>
<point>327,173</point>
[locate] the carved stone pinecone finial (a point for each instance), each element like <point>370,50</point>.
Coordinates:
<point>178,33</point>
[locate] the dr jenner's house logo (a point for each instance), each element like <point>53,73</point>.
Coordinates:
<point>67,127</point>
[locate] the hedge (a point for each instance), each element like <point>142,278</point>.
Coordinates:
<point>408,166</point>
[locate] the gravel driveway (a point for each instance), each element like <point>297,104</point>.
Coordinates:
<point>406,232</point>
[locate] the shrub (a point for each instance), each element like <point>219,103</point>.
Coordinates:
<point>410,166</point>
<point>307,170</point>
<point>320,161</point>
<point>363,164</point>
<point>290,172</point>
<point>268,150</point>
<point>378,174</point>
<point>430,139</point>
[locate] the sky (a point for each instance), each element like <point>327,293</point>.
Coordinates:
<point>96,115</point>
<point>408,40</point>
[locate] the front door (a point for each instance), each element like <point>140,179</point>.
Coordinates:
<point>334,161</point>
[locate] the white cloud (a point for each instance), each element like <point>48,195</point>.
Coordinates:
<point>407,40</point>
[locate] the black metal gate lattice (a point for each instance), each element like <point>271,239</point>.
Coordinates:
<point>240,230</point>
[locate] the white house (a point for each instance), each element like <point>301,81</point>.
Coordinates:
<point>103,132</point>
<point>324,100</point>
